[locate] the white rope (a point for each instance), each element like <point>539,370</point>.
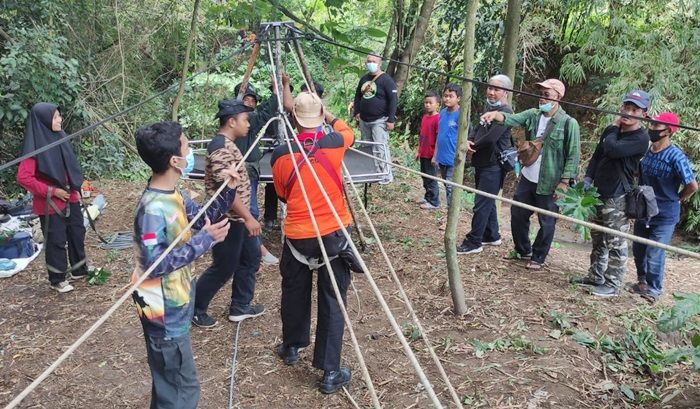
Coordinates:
<point>387,311</point>
<point>16,401</point>
<point>512,202</point>
<point>404,296</point>
<point>234,362</point>
<point>336,289</point>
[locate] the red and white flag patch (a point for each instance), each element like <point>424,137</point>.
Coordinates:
<point>149,239</point>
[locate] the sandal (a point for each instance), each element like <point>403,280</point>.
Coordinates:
<point>533,265</point>
<point>650,298</point>
<point>639,288</point>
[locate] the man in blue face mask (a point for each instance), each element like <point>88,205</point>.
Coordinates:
<point>549,158</point>
<point>376,99</point>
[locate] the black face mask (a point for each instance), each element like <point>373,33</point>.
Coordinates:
<point>655,135</point>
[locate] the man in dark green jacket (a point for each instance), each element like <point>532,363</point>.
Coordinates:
<point>555,166</point>
<point>257,120</point>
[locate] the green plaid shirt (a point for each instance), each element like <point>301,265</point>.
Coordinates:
<point>560,152</point>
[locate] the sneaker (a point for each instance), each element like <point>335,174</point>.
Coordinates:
<point>428,206</point>
<point>469,249</point>
<point>514,255</point>
<point>269,259</point>
<point>421,201</point>
<point>585,280</point>
<point>62,287</point>
<point>290,355</point>
<point>204,320</point>
<point>492,243</point>
<point>251,312</point>
<point>605,291</point>
<point>334,380</point>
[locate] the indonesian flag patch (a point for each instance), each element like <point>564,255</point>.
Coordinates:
<point>149,239</point>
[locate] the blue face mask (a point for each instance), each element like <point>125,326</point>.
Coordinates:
<point>372,67</point>
<point>544,108</point>
<point>493,104</point>
<point>190,164</point>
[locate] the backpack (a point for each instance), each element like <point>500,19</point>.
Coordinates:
<point>20,245</point>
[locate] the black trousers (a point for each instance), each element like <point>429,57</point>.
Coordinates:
<point>526,192</point>
<point>296,300</point>
<point>238,256</point>
<point>432,190</point>
<point>270,202</point>
<point>485,220</point>
<point>61,232</point>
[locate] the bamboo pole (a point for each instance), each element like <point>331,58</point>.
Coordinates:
<point>453,273</point>
<point>185,64</point>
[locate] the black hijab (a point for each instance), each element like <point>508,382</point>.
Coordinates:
<point>59,162</point>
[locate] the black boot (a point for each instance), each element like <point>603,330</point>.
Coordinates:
<point>334,380</point>
<point>290,355</point>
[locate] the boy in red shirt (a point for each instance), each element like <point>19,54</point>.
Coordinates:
<point>426,149</point>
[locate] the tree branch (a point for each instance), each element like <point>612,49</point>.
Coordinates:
<point>6,36</point>
<point>296,19</point>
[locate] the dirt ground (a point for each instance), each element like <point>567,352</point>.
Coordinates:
<point>505,301</point>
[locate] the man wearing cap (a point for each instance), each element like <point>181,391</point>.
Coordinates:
<point>611,170</point>
<point>665,168</point>
<point>238,256</point>
<point>376,100</point>
<point>301,253</point>
<point>258,118</point>
<point>554,165</point>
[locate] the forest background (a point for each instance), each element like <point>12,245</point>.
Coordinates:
<point>94,58</point>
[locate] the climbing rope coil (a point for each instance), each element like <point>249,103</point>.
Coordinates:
<point>427,386</point>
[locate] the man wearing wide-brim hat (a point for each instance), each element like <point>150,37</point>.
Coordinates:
<point>301,254</point>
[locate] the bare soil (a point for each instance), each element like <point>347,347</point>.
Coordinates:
<point>505,301</point>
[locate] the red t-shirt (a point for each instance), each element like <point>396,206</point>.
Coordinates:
<point>428,135</point>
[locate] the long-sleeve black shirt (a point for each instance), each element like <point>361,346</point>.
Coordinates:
<point>490,140</point>
<point>374,100</point>
<point>617,150</point>
<point>257,119</point>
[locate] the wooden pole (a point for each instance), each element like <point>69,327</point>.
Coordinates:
<point>248,71</point>
<point>453,273</point>
<point>185,64</point>
<point>304,67</point>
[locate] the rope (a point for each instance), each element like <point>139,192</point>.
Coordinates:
<point>336,289</point>
<point>387,311</point>
<point>512,202</point>
<point>234,362</point>
<point>404,296</point>
<point>482,83</point>
<point>118,114</point>
<point>16,401</point>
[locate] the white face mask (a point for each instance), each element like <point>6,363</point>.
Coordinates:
<point>372,67</point>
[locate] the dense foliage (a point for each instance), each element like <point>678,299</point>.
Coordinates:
<point>96,58</point>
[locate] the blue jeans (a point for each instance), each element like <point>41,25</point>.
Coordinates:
<point>651,261</point>
<point>446,172</point>
<point>485,220</point>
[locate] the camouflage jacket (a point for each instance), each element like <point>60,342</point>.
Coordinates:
<point>221,153</point>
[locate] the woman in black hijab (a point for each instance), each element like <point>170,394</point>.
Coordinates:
<point>54,178</point>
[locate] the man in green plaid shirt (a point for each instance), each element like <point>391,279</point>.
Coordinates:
<point>556,165</point>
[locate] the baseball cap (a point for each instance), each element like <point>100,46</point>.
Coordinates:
<point>249,90</point>
<point>308,110</point>
<point>229,107</point>
<point>639,98</point>
<point>555,85</point>
<point>669,118</point>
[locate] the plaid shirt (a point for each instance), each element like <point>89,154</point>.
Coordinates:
<point>560,153</point>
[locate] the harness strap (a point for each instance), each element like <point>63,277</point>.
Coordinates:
<point>316,153</point>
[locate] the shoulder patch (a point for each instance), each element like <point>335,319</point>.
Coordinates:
<point>218,142</point>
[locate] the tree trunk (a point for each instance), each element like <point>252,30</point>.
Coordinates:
<point>186,63</point>
<point>390,34</point>
<point>414,44</point>
<point>510,45</point>
<point>454,275</point>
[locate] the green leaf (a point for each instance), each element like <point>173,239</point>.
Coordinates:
<point>627,392</point>
<point>375,32</point>
<point>584,339</point>
<point>696,340</point>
